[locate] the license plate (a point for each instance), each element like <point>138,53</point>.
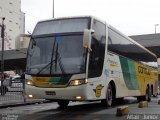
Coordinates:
<point>50,93</point>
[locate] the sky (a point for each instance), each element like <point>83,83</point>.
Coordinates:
<point>131,17</point>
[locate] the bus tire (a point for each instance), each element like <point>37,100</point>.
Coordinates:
<point>63,103</point>
<point>109,97</point>
<point>119,100</point>
<point>140,98</point>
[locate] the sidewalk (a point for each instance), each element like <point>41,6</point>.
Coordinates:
<point>16,99</point>
<point>15,103</point>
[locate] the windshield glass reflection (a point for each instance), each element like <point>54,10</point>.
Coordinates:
<point>56,55</point>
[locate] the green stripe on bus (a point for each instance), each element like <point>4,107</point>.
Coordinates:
<point>129,73</point>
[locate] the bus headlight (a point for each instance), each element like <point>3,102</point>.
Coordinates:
<point>77,82</point>
<point>30,82</point>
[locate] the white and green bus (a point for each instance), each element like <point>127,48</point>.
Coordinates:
<point>85,59</point>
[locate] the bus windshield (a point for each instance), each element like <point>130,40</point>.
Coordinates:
<point>56,55</point>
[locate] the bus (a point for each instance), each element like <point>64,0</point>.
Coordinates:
<point>86,59</point>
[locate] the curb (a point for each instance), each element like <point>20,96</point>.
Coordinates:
<point>24,104</point>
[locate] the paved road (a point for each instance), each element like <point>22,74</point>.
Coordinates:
<point>81,111</point>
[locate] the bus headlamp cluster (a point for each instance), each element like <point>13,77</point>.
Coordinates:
<point>77,82</point>
<point>30,82</point>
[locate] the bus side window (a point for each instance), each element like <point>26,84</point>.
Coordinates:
<point>98,49</point>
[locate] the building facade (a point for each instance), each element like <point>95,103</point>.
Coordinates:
<point>14,22</point>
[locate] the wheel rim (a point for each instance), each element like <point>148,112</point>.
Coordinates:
<point>109,94</point>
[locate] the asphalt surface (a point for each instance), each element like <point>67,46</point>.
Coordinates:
<point>82,111</point>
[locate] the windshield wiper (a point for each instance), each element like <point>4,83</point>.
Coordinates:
<point>50,63</point>
<point>45,67</point>
<point>56,60</point>
<point>57,56</point>
<point>52,57</point>
<point>60,63</point>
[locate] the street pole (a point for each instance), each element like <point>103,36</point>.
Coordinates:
<point>53,8</point>
<point>2,53</point>
<point>155,28</point>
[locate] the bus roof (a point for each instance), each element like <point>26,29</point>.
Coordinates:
<point>59,18</point>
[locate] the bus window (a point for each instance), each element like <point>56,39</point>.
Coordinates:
<point>125,47</point>
<point>98,49</point>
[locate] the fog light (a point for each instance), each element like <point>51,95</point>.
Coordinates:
<point>78,97</point>
<point>30,96</point>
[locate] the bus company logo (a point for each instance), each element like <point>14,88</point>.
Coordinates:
<point>98,90</point>
<point>112,63</point>
<point>143,70</point>
<point>50,83</point>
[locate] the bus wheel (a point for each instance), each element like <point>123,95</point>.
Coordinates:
<point>119,100</point>
<point>63,103</point>
<point>140,98</point>
<point>109,97</point>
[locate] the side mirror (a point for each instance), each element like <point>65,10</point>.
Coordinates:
<point>87,38</point>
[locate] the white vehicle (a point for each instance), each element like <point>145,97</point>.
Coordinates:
<point>85,59</point>
<point>16,83</point>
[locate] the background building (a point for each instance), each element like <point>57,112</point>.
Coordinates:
<point>150,41</point>
<point>14,21</point>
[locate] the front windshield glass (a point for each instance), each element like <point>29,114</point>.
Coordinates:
<point>56,55</point>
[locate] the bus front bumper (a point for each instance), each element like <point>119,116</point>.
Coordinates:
<point>74,93</point>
